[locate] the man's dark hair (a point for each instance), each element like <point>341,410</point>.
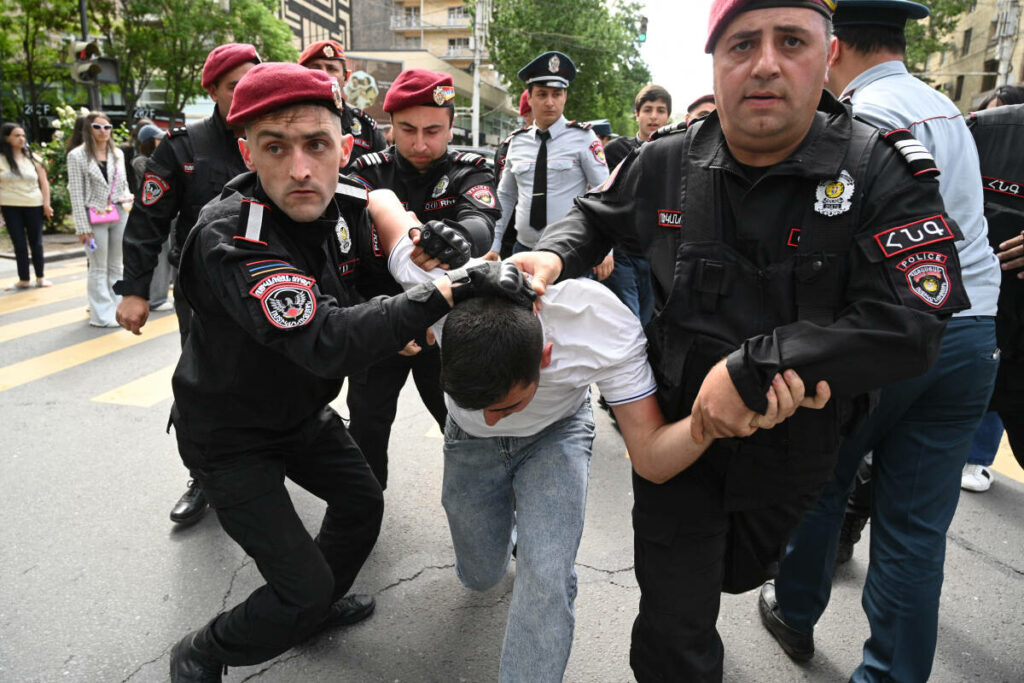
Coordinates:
<point>1006,94</point>
<point>488,347</point>
<point>652,93</point>
<point>7,150</point>
<point>873,38</point>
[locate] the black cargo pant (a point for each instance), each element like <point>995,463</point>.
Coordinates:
<point>304,575</point>
<point>683,564</point>
<point>373,402</point>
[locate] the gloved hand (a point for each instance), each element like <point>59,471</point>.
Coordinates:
<point>492,278</point>
<point>444,243</point>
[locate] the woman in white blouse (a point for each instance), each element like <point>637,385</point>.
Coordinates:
<point>24,202</point>
<point>100,200</point>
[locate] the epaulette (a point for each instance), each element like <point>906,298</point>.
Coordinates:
<point>177,130</point>
<point>670,129</point>
<point>469,158</point>
<point>917,156</point>
<point>352,189</point>
<point>372,159</point>
<point>582,125</point>
<point>514,133</point>
<point>250,222</point>
<point>365,117</point>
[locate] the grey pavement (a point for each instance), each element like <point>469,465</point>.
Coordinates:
<point>96,584</point>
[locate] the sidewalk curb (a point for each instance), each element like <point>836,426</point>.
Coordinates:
<point>52,257</point>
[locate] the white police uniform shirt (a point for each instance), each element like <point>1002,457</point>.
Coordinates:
<point>595,340</point>
<point>575,163</point>
<point>887,96</point>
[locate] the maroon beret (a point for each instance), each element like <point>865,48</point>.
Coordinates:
<point>524,103</point>
<point>416,87</point>
<point>325,49</point>
<point>224,58</point>
<point>724,11</point>
<point>275,85</point>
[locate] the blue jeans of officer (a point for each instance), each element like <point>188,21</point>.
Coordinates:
<point>921,434</point>
<point>631,282</point>
<point>986,440</point>
<point>530,490</point>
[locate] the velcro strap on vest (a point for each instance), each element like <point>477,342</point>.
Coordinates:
<point>712,282</point>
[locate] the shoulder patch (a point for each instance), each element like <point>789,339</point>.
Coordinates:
<point>352,189</point>
<point>917,156</point>
<point>373,159</point>
<point>582,125</point>
<point>469,158</point>
<point>177,130</point>
<point>670,129</point>
<point>153,188</point>
<point>287,299</point>
<point>250,223</point>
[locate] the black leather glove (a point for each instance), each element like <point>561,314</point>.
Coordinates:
<point>492,278</point>
<point>444,243</point>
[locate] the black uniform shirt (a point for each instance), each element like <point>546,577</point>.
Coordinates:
<point>188,169</point>
<point>619,148</point>
<point>884,330</point>
<point>365,136</point>
<point>277,320</point>
<point>458,189</point>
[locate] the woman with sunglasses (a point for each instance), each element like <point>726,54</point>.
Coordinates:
<point>24,202</point>
<point>100,200</point>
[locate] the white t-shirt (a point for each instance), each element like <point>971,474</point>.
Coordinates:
<point>595,340</point>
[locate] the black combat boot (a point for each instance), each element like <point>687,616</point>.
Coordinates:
<point>191,507</point>
<point>191,664</point>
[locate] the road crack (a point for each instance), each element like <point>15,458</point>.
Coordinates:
<point>280,660</point>
<point>147,663</point>
<point>986,557</point>
<point>231,584</point>
<point>414,576</point>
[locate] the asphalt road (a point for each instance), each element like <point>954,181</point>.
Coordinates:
<point>96,584</point>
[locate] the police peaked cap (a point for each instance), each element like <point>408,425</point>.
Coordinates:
<point>892,13</point>
<point>601,127</point>
<point>552,69</point>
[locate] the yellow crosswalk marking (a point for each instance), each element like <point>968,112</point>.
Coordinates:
<point>144,392</point>
<point>1006,464</point>
<point>81,266</point>
<point>62,359</point>
<point>41,324</point>
<point>30,298</point>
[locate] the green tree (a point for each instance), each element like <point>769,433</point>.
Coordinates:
<point>932,34</point>
<point>600,38</point>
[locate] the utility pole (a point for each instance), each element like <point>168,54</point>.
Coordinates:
<point>93,88</point>
<point>1007,23</point>
<point>482,15</point>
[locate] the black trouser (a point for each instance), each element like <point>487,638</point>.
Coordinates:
<point>25,226</point>
<point>373,402</point>
<point>1008,401</point>
<point>304,575</point>
<point>683,567</point>
<point>182,310</point>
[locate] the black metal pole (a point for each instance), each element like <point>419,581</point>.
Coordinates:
<point>92,88</point>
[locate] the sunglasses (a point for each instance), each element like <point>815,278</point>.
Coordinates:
<point>102,126</point>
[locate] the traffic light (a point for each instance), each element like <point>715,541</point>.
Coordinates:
<point>642,36</point>
<point>84,65</point>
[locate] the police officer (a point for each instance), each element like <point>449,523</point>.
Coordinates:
<point>328,56</point>
<point>270,276</point>
<point>437,185</point>
<point>922,430</point>
<point>186,171</point>
<point>549,164</point>
<point>508,240</point>
<point>781,233</point>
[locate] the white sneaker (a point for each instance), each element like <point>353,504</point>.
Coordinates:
<point>976,478</point>
<point>167,305</point>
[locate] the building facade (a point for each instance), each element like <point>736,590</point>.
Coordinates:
<point>315,20</point>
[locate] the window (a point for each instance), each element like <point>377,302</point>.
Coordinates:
<point>457,15</point>
<point>989,82</point>
<point>458,46</point>
<point>967,43</point>
<point>958,91</point>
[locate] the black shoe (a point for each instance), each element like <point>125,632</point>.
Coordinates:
<point>190,665</point>
<point>799,646</point>
<point>349,610</point>
<point>848,537</point>
<point>191,507</point>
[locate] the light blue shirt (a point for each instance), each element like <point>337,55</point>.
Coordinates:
<point>575,164</point>
<point>888,97</point>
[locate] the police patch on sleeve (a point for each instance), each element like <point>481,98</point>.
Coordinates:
<point>895,241</point>
<point>482,194</point>
<point>927,276</point>
<point>153,188</point>
<point>597,149</point>
<point>287,299</point>
<point>834,196</point>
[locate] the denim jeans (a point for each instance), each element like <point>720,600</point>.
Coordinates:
<point>501,491</point>
<point>105,268</point>
<point>921,434</point>
<point>986,440</point>
<point>631,282</point>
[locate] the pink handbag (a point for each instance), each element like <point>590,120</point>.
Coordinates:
<point>109,213</point>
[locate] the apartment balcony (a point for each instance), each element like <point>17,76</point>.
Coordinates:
<point>401,22</point>
<point>460,54</point>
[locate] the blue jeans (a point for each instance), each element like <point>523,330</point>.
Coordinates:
<point>105,268</point>
<point>532,490</point>
<point>631,282</point>
<point>920,433</point>
<point>986,440</point>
